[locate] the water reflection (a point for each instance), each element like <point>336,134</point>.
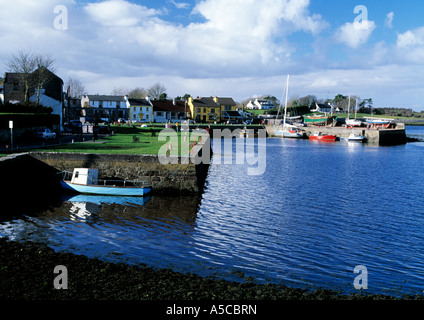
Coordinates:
<point>107,227</point>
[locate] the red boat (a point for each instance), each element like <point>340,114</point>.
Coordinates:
<point>318,136</point>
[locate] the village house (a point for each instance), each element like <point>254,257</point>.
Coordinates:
<point>228,109</point>
<point>49,95</point>
<point>169,110</point>
<point>204,109</point>
<point>213,109</point>
<point>140,110</point>
<point>260,104</point>
<point>1,93</point>
<point>105,107</point>
<point>320,107</point>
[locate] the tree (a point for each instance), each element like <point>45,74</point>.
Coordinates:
<point>138,93</point>
<point>156,91</point>
<point>23,64</point>
<point>121,91</point>
<point>44,72</point>
<point>76,88</point>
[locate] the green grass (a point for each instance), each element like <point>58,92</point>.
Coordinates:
<point>121,142</point>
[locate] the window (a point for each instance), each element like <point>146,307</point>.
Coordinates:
<point>213,110</point>
<point>16,86</point>
<point>199,110</point>
<point>159,114</point>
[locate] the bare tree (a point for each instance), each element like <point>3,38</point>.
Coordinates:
<point>156,91</point>
<point>43,74</point>
<point>75,87</point>
<point>138,93</point>
<point>121,91</point>
<point>23,64</point>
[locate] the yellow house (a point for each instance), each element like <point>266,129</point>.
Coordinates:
<point>213,109</point>
<point>204,109</point>
<point>228,109</point>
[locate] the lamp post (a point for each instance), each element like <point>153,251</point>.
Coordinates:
<point>11,135</point>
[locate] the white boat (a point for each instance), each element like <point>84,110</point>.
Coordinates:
<point>86,181</point>
<point>378,121</point>
<point>288,131</point>
<point>355,137</point>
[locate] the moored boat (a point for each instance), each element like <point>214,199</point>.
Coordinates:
<point>355,137</point>
<point>318,136</point>
<point>319,120</point>
<point>86,181</point>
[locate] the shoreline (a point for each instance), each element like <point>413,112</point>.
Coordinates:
<point>27,273</point>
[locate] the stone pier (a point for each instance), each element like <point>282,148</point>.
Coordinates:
<point>395,136</point>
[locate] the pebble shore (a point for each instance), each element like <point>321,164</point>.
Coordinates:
<point>27,273</point>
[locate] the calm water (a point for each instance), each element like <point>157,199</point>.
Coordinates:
<point>318,211</point>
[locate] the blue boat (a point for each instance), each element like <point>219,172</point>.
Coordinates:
<point>86,181</point>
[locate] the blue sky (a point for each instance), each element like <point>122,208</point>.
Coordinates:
<point>236,48</point>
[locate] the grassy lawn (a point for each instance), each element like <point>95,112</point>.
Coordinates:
<point>121,142</point>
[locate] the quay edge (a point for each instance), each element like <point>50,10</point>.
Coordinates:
<point>383,137</point>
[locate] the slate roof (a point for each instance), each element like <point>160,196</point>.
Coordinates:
<point>168,105</point>
<point>98,97</point>
<point>139,102</point>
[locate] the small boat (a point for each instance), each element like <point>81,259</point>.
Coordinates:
<point>318,136</point>
<point>379,123</point>
<point>86,181</point>
<point>322,120</point>
<point>353,123</point>
<point>289,133</point>
<point>355,137</point>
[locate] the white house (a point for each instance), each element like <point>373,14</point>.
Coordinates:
<point>47,101</point>
<point>260,104</point>
<point>140,110</point>
<point>107,106</point>
<point>319,107</point>
<point>1,94</point>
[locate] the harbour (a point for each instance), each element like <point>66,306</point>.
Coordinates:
<point>317,212</point>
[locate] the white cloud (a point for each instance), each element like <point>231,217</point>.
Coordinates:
<point>180,5</point>
<point>410,45</point>
<point>389,20</point>
<point>119,13</point>
<point>356,33</point>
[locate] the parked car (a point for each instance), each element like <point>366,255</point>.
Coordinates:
<point>45,134</point>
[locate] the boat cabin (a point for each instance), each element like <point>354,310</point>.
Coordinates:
<point>85,176</point>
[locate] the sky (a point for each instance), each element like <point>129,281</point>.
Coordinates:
<point>228,48</point>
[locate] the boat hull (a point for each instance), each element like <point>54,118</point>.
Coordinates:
<point>324,138</point>
<point>105,190</point>
<point>294,134</point>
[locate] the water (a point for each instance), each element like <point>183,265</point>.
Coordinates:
<point>318,211</point>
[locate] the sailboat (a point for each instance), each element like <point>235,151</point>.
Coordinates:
<point>353,122</point>
<point>288,131</point>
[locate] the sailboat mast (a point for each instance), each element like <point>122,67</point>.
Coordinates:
<point>287,94</point>
<point>348,109</point>
<point>356,107</point>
